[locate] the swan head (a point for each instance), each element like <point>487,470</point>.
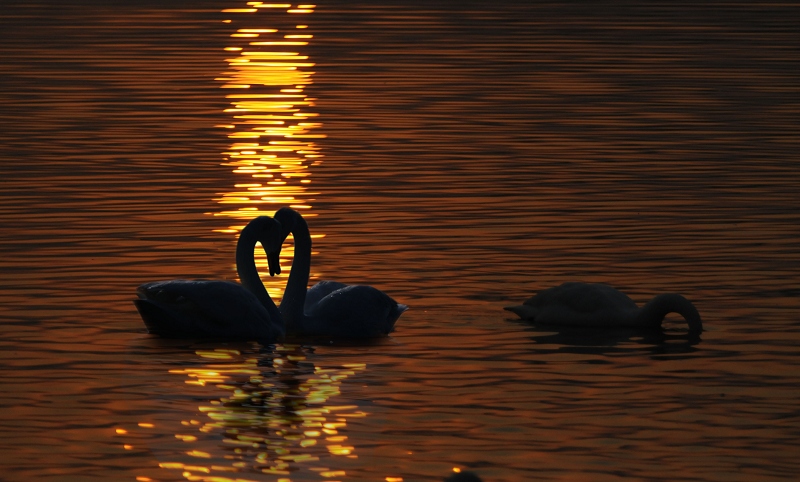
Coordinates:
<point>286,218</point>
<point>271,241</point>
<point>267,231</point>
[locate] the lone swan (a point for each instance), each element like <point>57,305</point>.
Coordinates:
<point>329,308</point>
<point>223,309</point>
<point>599,305</point>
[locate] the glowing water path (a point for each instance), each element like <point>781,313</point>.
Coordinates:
<point>272,128</point>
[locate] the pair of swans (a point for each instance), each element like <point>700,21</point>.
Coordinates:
<point>223,309</point>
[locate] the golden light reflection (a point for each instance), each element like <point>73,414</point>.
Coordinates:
<point>278,416</point>
<point>272,135</point>
<point>272,127</point>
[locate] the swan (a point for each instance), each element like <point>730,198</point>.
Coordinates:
<point>329,308</point>
<point>202,309</point>
<point>599,305</point>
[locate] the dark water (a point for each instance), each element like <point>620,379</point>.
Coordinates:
<point>459,156</point>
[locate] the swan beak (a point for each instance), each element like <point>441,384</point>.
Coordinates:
<point>274,261</point>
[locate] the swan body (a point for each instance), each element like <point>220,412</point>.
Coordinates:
<point>329,308</point>
<point>202,309</point>
<point>599,305</point>
<point>219,309</point>
<point>319,291</point>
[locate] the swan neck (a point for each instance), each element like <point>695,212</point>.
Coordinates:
<point>294,297</point>
<point>248,272</point>
<point>653,313</point>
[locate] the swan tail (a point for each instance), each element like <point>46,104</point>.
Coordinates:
<point>526,312</point>
<point>399,310</point>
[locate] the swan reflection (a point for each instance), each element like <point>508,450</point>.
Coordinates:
<point>622,341</point>
<point>276,418</point>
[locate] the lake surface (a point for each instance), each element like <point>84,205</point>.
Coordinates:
<point>459,156</point>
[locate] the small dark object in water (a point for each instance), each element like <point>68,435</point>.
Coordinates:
<point>463,477</point>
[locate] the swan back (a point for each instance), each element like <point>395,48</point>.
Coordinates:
<point>352,311</point>
<point>463,477</point>
<point>320,290</point>
<point>203,309</point>
<point>583,297</point>
<point>578,304</point>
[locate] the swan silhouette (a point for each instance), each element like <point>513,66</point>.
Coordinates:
<point>329,308</point>
<point>223,309</point>
<point>599,305</point>
<point>464,477</point>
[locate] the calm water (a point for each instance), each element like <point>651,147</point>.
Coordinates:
<point>459,156</point>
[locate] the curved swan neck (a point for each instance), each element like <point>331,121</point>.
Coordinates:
<point>248,272</point>
<point>294,297</point>
<point>653,313</point>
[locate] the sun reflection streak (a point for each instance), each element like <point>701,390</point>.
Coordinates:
<point>272,128</point>
<point>272,136</point>
<point>277,417</point>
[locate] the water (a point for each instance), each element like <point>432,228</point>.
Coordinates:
<point>461,157</point>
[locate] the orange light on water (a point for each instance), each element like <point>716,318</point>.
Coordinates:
<point>241,415</point>
<point>272,142</point>
<point>285,43</point>
<point>199,454</point>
